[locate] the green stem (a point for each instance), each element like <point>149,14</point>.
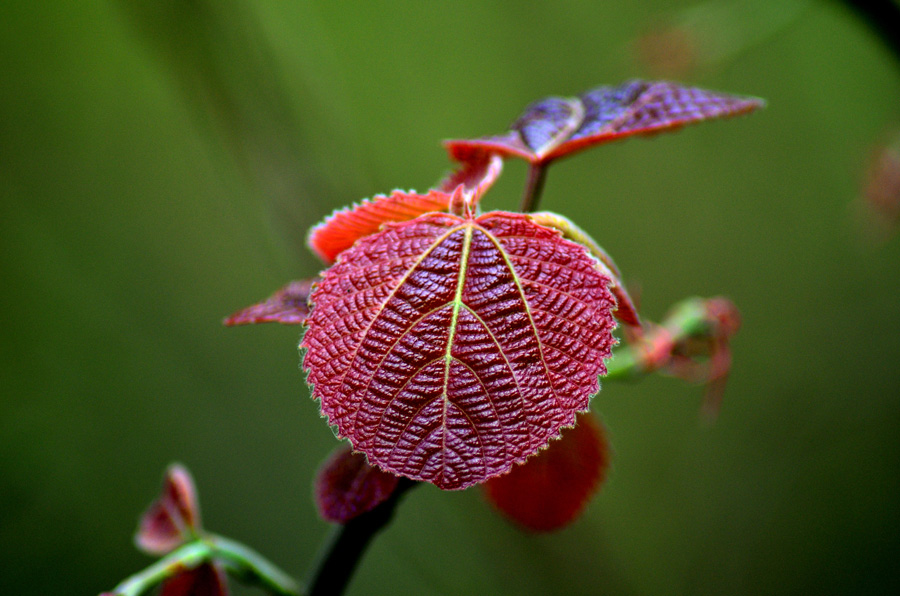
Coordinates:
<point>239,560</point>
<point>688,318</point>
<point>252,567</point>
<point>188,556</point>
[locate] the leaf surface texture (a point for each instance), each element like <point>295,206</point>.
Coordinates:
<point>448,348</point>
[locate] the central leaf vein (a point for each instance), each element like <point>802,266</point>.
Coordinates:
<point>448,358</point>
<point>437,242</point>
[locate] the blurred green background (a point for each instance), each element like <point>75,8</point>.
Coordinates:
<point>161,161</point>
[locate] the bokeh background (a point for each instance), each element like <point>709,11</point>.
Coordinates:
<point>160,163</point>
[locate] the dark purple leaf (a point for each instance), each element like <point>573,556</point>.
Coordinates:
<point>287,306</point>
<point>348,486</point>
<point>555,127</point>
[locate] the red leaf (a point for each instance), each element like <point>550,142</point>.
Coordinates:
<point>348,486</point>
<point>882,186</point>
<point>207,579</point>
<point>287,306</point>
<point>447,349</point>
<point>173,518</point>
<point>552,488</point>
<point>479,170</point>
<point>343,228</point>
<point>554,127</point>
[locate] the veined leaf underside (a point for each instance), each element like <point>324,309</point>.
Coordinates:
<point>448,349</point>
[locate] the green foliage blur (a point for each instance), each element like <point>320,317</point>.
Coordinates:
<point>160,163</point>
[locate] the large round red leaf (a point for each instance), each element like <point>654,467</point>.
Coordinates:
<point>448,349</point>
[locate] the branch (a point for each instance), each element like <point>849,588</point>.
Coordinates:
<point>347,544</point>
<point>692,343</point>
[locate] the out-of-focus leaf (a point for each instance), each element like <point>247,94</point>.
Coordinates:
<point>882,185</point>
<point>288,306</point>
<point>555,127</point>
<point>550,490</point>
<point>449,348</point>
<point>206,579</point>
<point>348,486</point>
<point>173,518</point>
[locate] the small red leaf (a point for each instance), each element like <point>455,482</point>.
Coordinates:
<point>348,486</point>
<point>343,228</point>
<point>552,488</point>
<point>287,306</point>
<point>554,127</point>
<point>447,348</point>
<point>206,579</point>
<point>173,518</point>
<point>479,170</point>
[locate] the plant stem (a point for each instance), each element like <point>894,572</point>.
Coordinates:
<point>688,318</point>
<point>188,556</point>
<point>534,187</point>
<point>347,543</point>
<point>252,567</point>
<point>238,559</point>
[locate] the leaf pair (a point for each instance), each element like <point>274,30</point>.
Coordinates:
<point>172,520</point>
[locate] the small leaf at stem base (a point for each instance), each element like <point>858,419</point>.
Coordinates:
<point>347,486</point>
<point>207,579</point>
